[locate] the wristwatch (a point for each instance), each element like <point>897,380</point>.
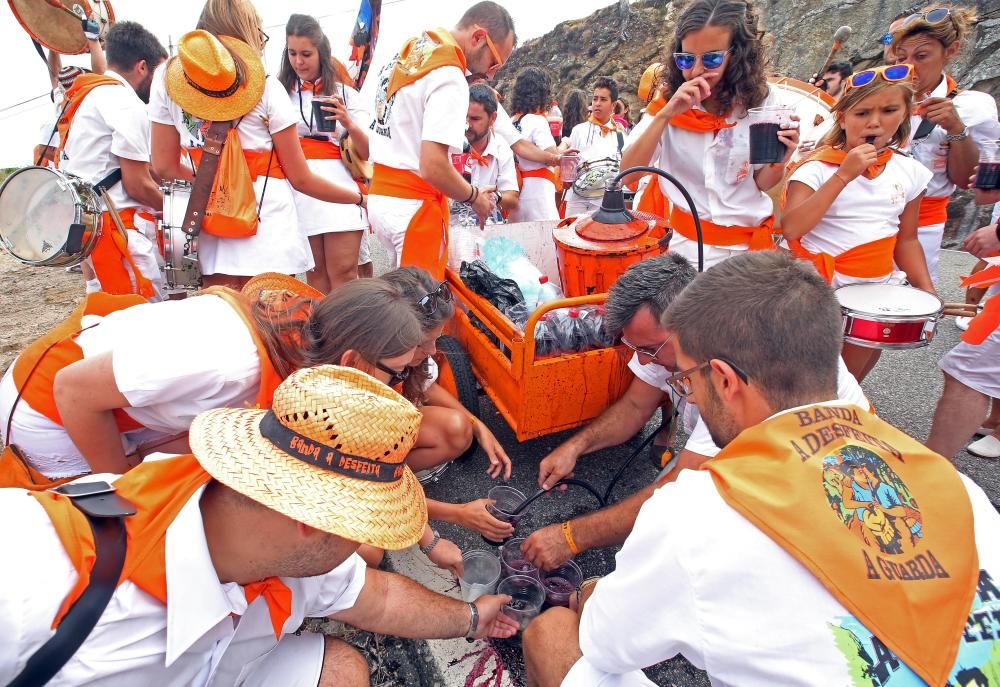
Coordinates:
<point>960,136</point>
<point>473,622</point>
<point>426,550</point>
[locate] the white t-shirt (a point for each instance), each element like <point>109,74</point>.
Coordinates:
<point>587,139</point>
<point>699,440</point>
<point>499,171</point>
<point>535,128</point>
<point>306,122</point>
<point>866,209</point>
<point>719,591</point>
<point>977,110</point>
<point>111,123</point>
<point>505,129</point>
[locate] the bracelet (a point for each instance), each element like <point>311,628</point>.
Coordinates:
<point>567,532</point>
<point>841,179</point>
<point>426,550</point>
<point>473,621</point>
<point>361,199</point>
<point>960,136</point>
<point>472,193</point>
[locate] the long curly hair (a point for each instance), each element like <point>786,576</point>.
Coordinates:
<point>574,110</point>
<point>532,92</point>
<point>744,83</point>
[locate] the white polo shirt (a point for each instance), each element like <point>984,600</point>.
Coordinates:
<point>535,128</point>
<point>205,635</point>
<point>111,123</point>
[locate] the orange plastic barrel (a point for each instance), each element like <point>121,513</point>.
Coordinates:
<point>592,256</point>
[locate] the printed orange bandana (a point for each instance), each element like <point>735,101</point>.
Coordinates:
<point>835,156</point>
<point>423,54</point>
<point>882,522</point>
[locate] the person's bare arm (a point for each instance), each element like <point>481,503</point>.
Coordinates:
<point>54,62</point>
<point>395,605</point>
<point>472,516</point>
<point>139,183</point>
<point>962,155</point>
<point>908,253</point>
<point>288,150</point>
<point>98,61</point>
<point>86,394</point>
<point>165,153</point>
<point>526,150</point>
<point>509,200</point>
<point>616,424</point>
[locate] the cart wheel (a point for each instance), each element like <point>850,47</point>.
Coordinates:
<point>455,373</point>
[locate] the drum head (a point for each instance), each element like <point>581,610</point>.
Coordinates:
<point>890,300</point>
<point>37,207</point>
<point>57,29</point>
<point>592,177</point>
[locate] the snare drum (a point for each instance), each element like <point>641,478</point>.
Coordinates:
<point>888,316</point>
<point>180,253</point>
<point>593,176</point>
<point>48,218</point>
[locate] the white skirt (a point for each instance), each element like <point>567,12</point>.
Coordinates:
<point>320,217</point>
<point>537,202</point>
<point>278,245</point>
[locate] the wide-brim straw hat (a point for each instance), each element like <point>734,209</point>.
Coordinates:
<point>329,454</point>
<point>216,79</point>
<point>275,281</point>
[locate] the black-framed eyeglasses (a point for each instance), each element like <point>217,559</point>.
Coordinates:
<point>263,36</point>
<point>681,381</point>
<point>645,351</point>
<point>395,376</point>
<point>429,303</point>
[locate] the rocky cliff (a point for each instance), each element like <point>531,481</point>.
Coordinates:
<point>623,38</point>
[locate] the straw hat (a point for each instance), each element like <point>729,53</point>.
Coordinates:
<point>275,281</point>
<point>329,454</point>
<point>208,83</point>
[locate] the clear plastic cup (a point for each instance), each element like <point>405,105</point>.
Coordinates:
<point>505,502</point>
<point>560,583</point>
<point>568,165</point>
<point>513,562</point>
<point>988,171</point>
<point>480,573</point>
<point>765,123</point>
<point>527,596</point>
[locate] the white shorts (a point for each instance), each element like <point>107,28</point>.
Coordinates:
<point>319,217</point>
<point>390,218</point>
<point>977,367</point>
<point>930,240</point>
<point>296,661</point>
<point>583,674</point>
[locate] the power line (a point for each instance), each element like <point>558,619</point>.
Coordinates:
<point>23,102</point>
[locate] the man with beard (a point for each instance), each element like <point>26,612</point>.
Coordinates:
<point>490,161</point>
<point>104,136</point>
<point>741,566</point>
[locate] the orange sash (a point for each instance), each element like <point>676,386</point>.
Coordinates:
<point>159,490</point>
<point>82,86</point>
<point>426,241</point>
<point>714,234</point>
<point>113,263</point>
<point>541,173</point>
<point>654,201</point>
<point>884,524</point>
<point>314,149</point>
<point>933,210</point>
<point>867,261</point>
<point>700,121</point>
<point>986,322</point>
<point>259,162</point>
<point>434,49</point>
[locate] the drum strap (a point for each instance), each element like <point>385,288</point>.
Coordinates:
<point>204,178</point>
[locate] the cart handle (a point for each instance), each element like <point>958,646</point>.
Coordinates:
<point>529,327</point>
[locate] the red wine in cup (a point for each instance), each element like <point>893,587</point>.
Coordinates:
<point>765,146</point>
<point>557,590</point>
<point>988,176</point>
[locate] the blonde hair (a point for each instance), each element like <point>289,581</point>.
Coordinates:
<point>837,136</point>
<point>236,18</point>
<point>953,29</point>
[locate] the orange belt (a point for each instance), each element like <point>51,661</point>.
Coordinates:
<point>426,241</point>
<point>259,162</point>
<point>654,201</point>
<point>714,234</point>
<point>542,173</point>
<point>314,149</point>
<point>112,261</point>
<point>867,261</point>
<point>933,210</point>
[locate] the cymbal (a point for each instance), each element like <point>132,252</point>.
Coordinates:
<point>56,23</point>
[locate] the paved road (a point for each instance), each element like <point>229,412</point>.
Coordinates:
<point>904,388</point>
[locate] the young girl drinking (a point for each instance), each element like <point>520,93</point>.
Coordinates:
<point>851,206</point>
<point>702,133</point>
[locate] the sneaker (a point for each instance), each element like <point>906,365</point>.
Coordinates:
<point>987,447</point>
<point>985,431</point>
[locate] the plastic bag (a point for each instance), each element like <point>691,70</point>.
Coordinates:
<point>502,293</point>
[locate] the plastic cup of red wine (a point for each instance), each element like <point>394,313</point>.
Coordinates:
<point>320,121</point>
<point>513,561</point>
<point>505,502</point>
<point>527,596</point>
<point>561,583</point>
<point>765,123</point>
<point>988,171</point>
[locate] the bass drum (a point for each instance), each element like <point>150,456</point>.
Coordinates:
<point>180,253</point>
<point>56,23</point>
<point>813,106</point>
<point>48,218</point>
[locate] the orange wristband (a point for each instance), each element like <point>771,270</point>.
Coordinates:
<point>568,533</point>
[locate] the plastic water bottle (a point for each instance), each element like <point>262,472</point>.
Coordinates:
<point>577,339</point>
<point>547,291</point>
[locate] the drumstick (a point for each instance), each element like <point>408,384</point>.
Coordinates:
<point>59,6</point>
<point>961,309</point>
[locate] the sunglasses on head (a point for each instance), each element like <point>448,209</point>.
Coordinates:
<point>935,16</point>
<point>894,72</point>
<point>395,376</point>
<point>709,60</point>
<point>429,303</point>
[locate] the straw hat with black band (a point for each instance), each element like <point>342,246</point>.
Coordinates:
<point>216,79</point>
<point>329,454</point>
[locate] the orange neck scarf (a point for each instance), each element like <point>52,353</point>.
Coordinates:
<point>701,122</point>
<point>422,55</point>
<point>482,158</point>
<point>835,156</point>
<point>884,524</point>
<point>606,129</point>
<point>159,490</point>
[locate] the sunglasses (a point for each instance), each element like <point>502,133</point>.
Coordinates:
<point>429,304</point>
<point>709,60</point>
<point>645,351</point>
<point>681,381</point>
<point>497,60</point>
<point>935,16</point>
<point>894,72</point>
<point>395,376</point>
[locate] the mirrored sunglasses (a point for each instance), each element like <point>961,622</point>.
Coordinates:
<point>429,303</point>
<point>709,60</point>
<point>895,72</point>
<point>935,16</point>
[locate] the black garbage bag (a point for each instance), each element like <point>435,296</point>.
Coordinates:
<point>502,293</point>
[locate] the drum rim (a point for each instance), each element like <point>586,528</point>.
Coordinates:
<point>886,317</point>
<point>889,346</point>
<point>598,190</point>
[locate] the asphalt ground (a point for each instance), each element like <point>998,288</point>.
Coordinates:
<point>904,389</point>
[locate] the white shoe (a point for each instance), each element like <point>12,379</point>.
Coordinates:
<point>987,447</point>
<point>985,431</point>
<point>962,322</point>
